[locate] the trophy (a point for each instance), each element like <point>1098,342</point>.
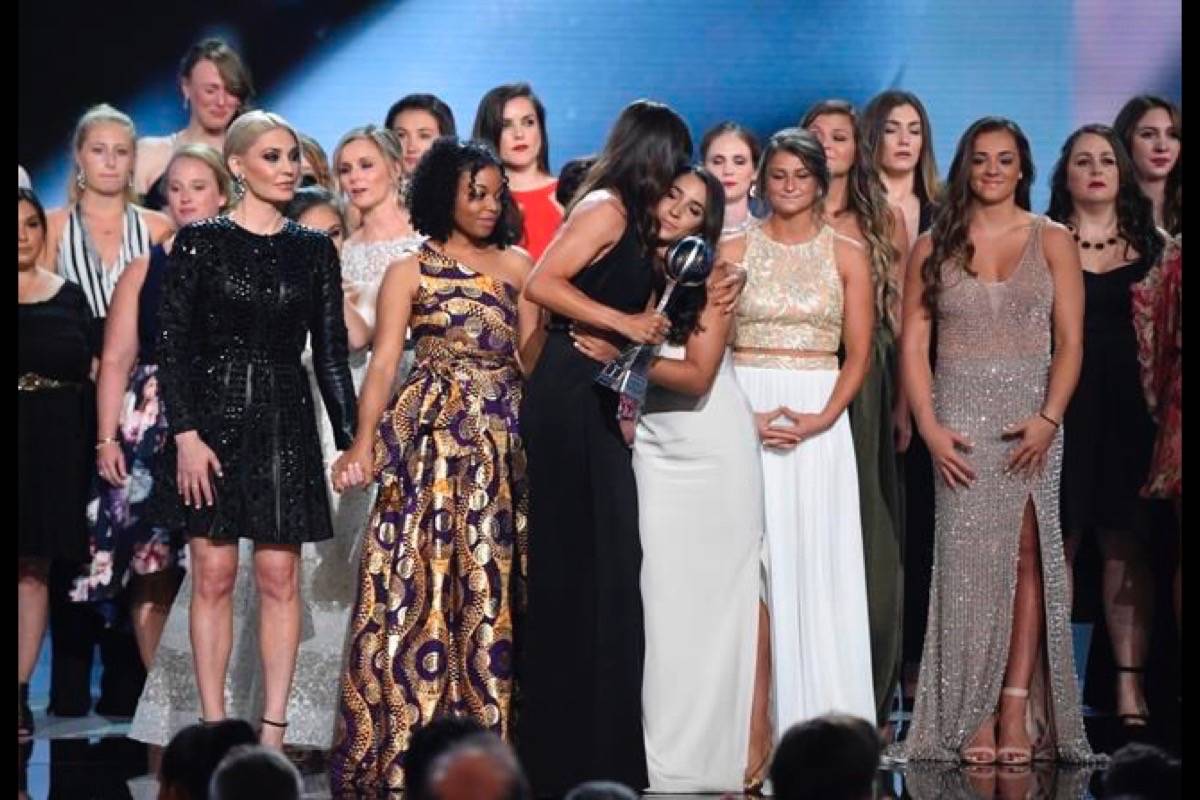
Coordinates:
<point>688,263</point>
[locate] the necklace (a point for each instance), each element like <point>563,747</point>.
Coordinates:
<point>741,227</point>
<point>1085,244</point>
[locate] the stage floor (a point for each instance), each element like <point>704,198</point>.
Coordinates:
<point>90,758</point>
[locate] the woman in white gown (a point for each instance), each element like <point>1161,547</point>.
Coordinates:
<point>369,165</point>
<point>699,483</point>
<point>808,291</point>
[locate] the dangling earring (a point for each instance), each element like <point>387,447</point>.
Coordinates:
<point>239,188</point>
<point>80,179</point>
<point>185,103</point>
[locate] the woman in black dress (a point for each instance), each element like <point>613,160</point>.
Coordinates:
<point>242,293</point>
<point>581,662</point>
<point>55,349</point>
<point>1108,430</point>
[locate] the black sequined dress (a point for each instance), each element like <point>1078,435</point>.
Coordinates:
<point>236,310</point>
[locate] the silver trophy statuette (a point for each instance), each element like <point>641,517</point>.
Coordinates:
<point>688,263</point>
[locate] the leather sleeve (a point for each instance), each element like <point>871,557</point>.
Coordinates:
<point>330,349</point>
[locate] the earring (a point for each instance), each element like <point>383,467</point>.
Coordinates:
<point>185,103</point>
<point>239,187</point>
<point>80,180</point>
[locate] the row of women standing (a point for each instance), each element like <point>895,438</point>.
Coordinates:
<point>453,492</point>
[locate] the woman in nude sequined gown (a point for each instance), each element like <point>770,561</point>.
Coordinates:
<point>808,291</point>
<point>993,688</point>
<point>442,567</point>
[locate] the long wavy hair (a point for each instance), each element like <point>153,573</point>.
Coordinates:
<point>1126,126</point>
<point>647,146</point>
<point>950,232</point>
<point>1135,212</point>
<point>685,312</point>
<point>866,198</point>
<point>927,186</point>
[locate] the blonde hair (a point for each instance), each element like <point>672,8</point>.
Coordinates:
<point>99,115</point>
<point>208,156</point>
<point>314,154</point>
<point>245,131</point>
<point>384,139</point>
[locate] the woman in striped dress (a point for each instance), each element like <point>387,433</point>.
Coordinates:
<point>94,237</point>
<point>90,242</point>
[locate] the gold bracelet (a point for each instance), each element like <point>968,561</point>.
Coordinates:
<point>109,440</point>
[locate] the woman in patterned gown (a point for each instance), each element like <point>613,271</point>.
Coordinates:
<point>1000,281</point>
<point>442,561</point>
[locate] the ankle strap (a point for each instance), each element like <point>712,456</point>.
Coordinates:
<point>1133,670</point>
<point>1013,691</point>
<point>208,723</point>
<point>272,723</point>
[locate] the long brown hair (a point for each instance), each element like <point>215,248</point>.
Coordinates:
<point>927,186</point>
<point>1126,126</point>
<point>648,144</point>
<point>950,232</point>
<point>866,198</point>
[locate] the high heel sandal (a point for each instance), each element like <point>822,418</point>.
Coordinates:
<point>1015,756</point>
<point>976,755</point>
<point>754,780</point>
<point>1134,723</point>
<point>24,714</point>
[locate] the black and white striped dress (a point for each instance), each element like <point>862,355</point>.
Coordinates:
<point>79,261</point>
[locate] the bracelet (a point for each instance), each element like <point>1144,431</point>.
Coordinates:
<point>1049,419</point>
<point>109,440</point>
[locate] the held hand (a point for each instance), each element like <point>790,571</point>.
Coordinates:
<point>774,437</point>
<point>592,344</point>
<point>353,468</point>
<point>1028,457</point>
<point>193,464</point>
<point>110,463</point>
<point>726,285</point>
<point>902,428</point>
<point>646,327</point>
<point>944,447</point>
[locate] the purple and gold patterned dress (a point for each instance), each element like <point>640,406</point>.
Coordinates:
<point>443,561</point>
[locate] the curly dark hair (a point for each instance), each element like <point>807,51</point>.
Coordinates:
<point>1126,126</point>
<point>949,232</point>
<point>434,187</point>
<point>1135,212</point>
<point>690,300</point>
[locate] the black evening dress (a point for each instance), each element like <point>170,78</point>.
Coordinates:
<point>582,647</point>
<point>236,310</point>
<point>55,425</point>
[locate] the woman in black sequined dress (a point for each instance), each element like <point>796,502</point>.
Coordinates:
<point>241,295</point>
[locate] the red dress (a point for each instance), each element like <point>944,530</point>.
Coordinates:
<point>542,216</point>
<point>1158,321</point>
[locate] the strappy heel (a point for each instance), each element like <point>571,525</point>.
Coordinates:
<point>1134,722</point>
<point>1015,756</point>
<point>977,755</point>
<point>24,714</point>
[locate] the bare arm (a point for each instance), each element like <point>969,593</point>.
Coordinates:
<point>593,228</point>
<point>946,447</point>
<point>858,323</point>
<point>531,334</point>
<point>1067,319</point>
<point>396,295</point>
<point>116,362</point>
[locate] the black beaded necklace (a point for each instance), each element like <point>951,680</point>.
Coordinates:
<point>1088,245</point>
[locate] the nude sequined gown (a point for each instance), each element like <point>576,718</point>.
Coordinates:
<point>992,371</point>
